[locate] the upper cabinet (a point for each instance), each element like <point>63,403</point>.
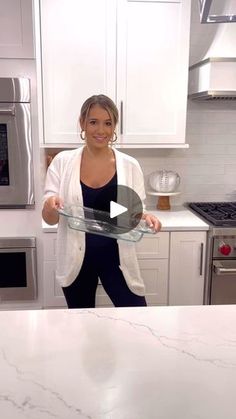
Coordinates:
<point>16,29</point>
<point>135,51</point>
<point>78,60</point>
<point>152,71</point>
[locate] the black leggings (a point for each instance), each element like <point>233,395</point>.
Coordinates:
<point>102,262</point>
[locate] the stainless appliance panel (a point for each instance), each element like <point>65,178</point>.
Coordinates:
<point>16,185</point>
<point>220,278</point>
<point>221,241</point>
<point>14,89</point>
<point>223,283</point>
<point>19,242</point>
<point>18,274</point>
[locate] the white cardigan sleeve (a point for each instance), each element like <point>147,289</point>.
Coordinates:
<point>58,174</point>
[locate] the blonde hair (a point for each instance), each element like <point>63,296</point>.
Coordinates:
<point>105,102</point>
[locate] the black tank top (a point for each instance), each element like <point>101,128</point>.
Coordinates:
<point>91,195</point>
<point>91,200</point>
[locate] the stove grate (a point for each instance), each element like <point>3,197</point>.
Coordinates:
<point>218,213</point>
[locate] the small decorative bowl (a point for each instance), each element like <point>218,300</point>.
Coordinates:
<point>164,181</point>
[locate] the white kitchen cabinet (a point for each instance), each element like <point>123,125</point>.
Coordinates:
<point>153,258</point>
<point>53,295</point>
<point>153,253</point>
<point>155,276</point>
<point>136,52</point>
<point>152,71</point>
<point>16,29</point>
<point>187,267</point>
<point>172,266</point>
<point>78,60</point>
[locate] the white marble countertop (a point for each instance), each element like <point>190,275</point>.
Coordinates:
<point>127,363</point>
<point>177,218</point>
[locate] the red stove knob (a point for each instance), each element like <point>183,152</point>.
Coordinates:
<point>225,249</point>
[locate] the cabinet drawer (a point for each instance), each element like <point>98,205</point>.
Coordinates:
<point>153,246</point>
<point>49,244</point>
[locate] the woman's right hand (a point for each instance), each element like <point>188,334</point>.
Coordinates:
<point>50,209</point>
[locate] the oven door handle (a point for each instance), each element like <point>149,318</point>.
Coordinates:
<point>220,270</point>
<point>7,111</point>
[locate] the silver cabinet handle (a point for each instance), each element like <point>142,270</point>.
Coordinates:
<point>121,117</point>
<point>8,111</point>
<point>201,259</point>
<point>220,270</point>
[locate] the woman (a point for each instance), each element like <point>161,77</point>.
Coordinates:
<point>78,177</point>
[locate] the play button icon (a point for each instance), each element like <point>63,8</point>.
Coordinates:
<point>116,209</point>
<point>123,207</point>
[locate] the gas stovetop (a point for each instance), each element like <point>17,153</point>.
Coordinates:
<point>221,214</point>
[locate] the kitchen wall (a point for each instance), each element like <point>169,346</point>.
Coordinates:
<point>208,167</point>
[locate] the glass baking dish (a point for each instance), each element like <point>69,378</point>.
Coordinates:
<point>99,222</point>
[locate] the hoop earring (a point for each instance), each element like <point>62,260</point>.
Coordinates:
<point>114,139</point>
<point>82,136</point>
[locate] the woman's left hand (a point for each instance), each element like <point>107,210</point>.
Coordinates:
<point>152,222</point>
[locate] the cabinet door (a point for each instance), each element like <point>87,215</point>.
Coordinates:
<point>16,29</point>
<point>187,268</point>
<point>78,61</point>
<point>49,246</point>
<point>53,295</point>
<point>152,72</point>
<point>155,276</point>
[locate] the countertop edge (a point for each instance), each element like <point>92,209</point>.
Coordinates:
<point>53,229</point>
<point>179,218</point>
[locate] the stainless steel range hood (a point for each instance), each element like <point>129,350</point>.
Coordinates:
<point>210,11</point>
<point>212,74</point>
<point>213,78</point>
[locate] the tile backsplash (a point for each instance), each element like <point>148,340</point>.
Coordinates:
<point>208,168</point>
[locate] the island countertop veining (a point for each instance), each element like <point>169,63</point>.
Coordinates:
<point>178,218</point>
<point>118,363</point>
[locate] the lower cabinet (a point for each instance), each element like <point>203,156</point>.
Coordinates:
<point>53,295</point>
<point>187,267</point>
<point>155,275</point>
<point>153,258</point>
<point>171,264</point>
<point>152,252</point>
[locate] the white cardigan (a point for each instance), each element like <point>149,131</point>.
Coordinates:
<point>63,179</point>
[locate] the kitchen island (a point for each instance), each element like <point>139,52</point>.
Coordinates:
<point>126,363</point>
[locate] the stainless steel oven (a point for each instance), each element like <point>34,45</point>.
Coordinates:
<point>223,271</point>
<point>16,159</point>
<point>18,279</point>
<point>220,281</point>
